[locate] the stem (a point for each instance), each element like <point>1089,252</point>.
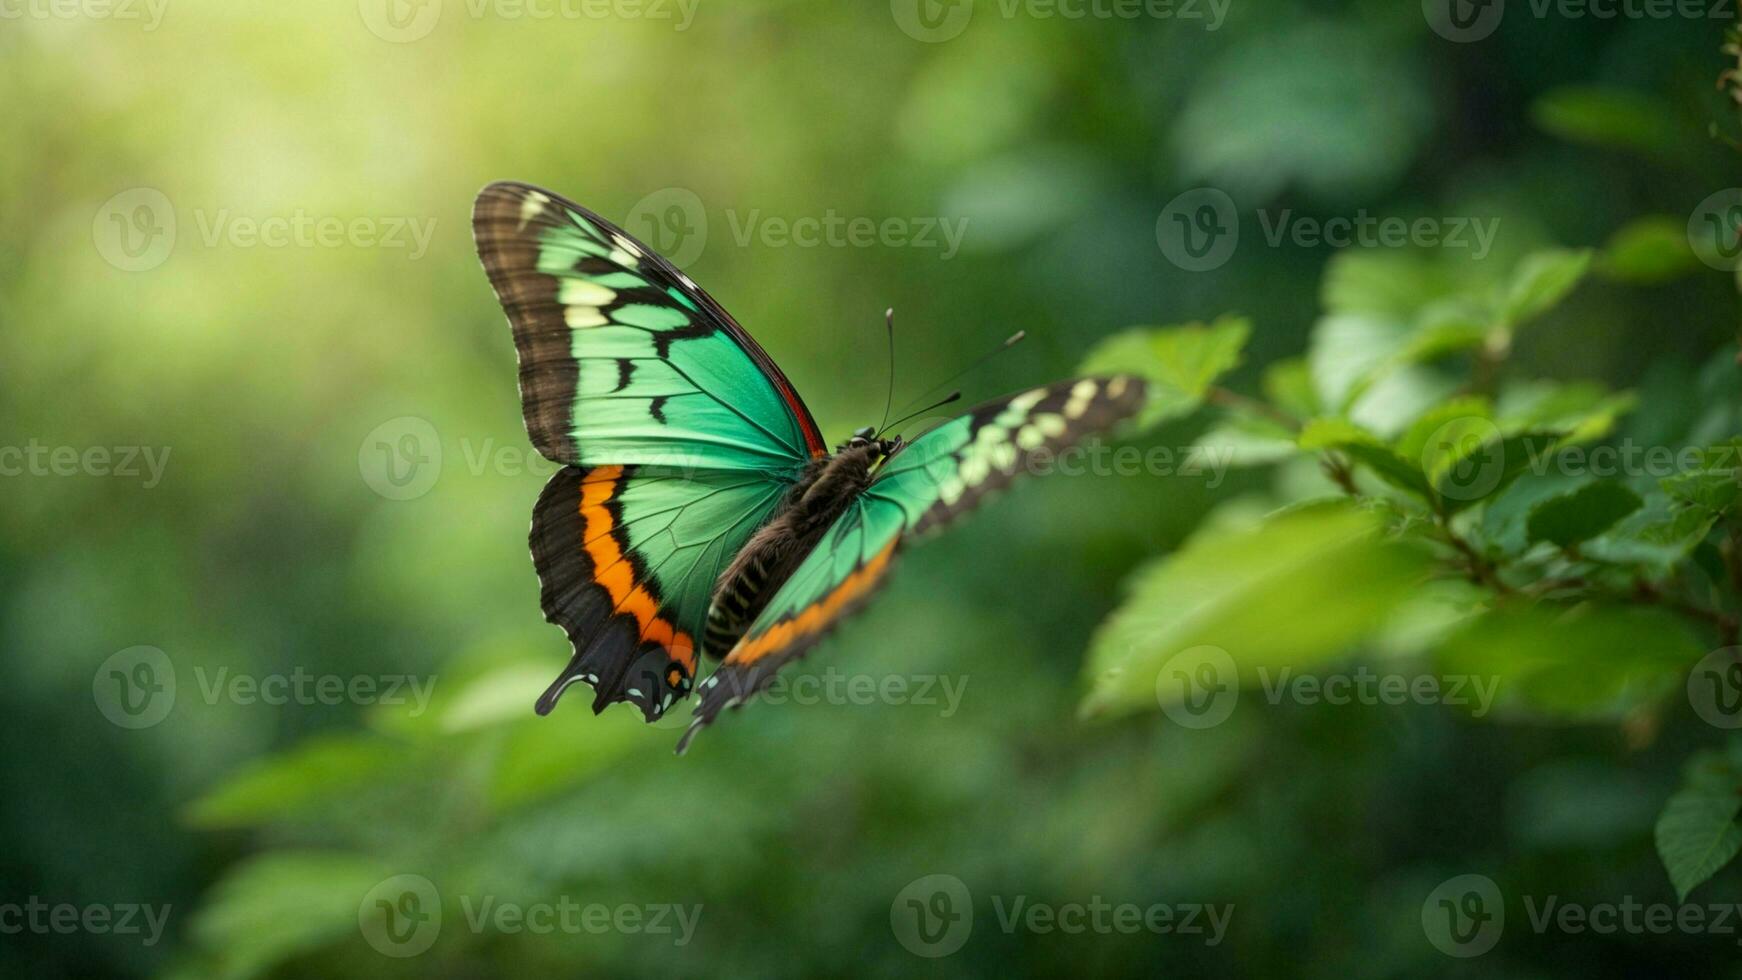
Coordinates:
<point>1726,624</point>
<point>1228,398</point>
<point>1338,469</point>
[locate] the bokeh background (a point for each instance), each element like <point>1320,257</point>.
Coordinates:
<point>346,488</point>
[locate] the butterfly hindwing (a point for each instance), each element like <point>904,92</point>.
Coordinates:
<point>679,433</point>
<point>939,476</point>
<point>626,558</point>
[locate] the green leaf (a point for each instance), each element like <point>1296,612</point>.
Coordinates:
<point>1649,251</point>
<point>1180,363</point>
<point>317,770</point>
<point>1366,450</point>
<point>1469,467</point>
<point>1581,515</point>
<point>1295,589</point>
<point>1389,286</point>
<point>1591,663</point>
<point>1697,833</point>
<point>1541,281</point>
<point>1656,537</point>
<point>274,907</point>
<point>1245,439</point>
<point>1348,351</point>
<point>1611,117</point>
<point>1415,439</point>
<point>1288,385</point>
<point>1582,411</point>
<point>1713,489</point>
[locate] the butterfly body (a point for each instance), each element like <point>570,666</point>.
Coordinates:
<point>697,511</point>
<point>821,496</point>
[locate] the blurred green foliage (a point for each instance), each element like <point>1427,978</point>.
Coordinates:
<point>1345,534</point>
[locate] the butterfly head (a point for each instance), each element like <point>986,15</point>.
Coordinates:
<point>868,437</point>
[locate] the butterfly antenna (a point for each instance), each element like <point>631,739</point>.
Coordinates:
<point>952,396</point>
<point>889,395</point>
<point>1009,342</point>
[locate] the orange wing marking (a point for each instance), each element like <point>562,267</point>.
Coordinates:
<point>617,575</point>
<point>818,615</point>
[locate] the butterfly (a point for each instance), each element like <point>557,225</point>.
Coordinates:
<point>698,512</point>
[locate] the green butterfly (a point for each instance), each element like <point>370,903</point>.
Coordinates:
<point>698,511</point>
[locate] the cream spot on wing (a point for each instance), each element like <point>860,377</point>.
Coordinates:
<point>974,470</point>
<point>583,292</point>
<point>532,207</point>
<point>1082,393</point>
<point>626,245</point>
<point>578,317</point>
<point>1116,387</point>
<point>688,283</point>
<point>1004,457</point>
<point>1027,399</point>
<point>622,258</point>
<point>950,490</point>
<point>1030,437</point>
<point>1050,424</point>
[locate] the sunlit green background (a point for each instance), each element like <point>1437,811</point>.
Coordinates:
<point>266,548</point>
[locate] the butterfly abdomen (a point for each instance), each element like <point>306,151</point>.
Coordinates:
<point>772,553</point>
